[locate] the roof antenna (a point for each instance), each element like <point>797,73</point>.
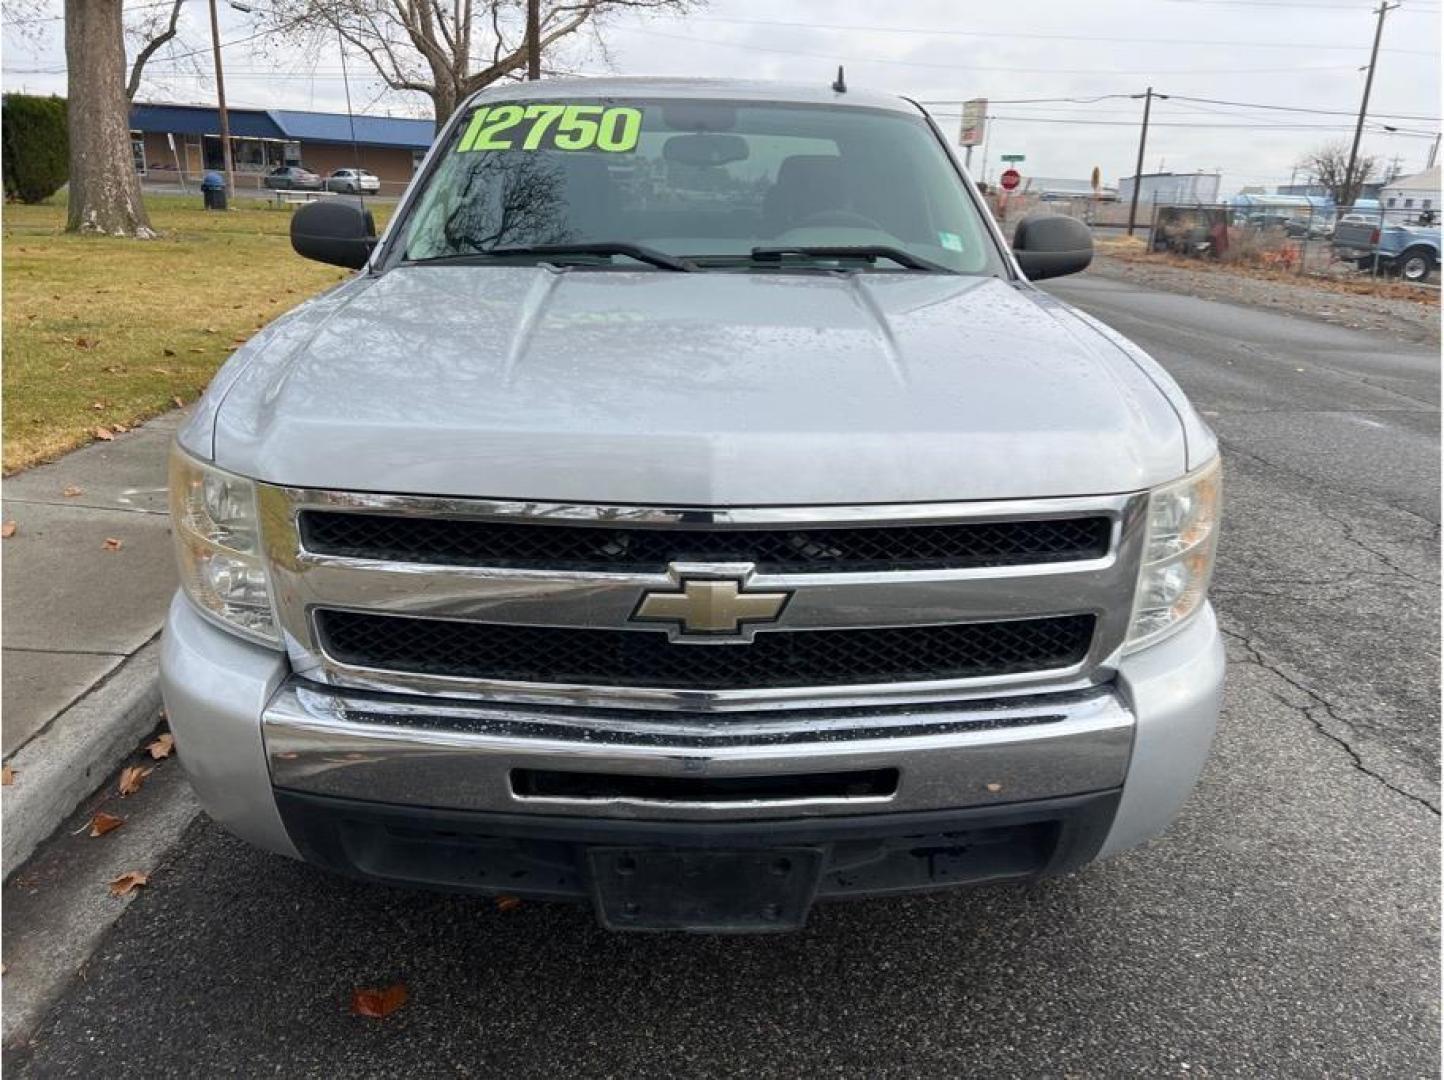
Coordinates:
<point>839,86</point>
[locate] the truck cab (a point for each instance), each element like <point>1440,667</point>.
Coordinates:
<point>691,507</point>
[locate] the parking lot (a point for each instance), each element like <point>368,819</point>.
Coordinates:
<point>1285,926</point>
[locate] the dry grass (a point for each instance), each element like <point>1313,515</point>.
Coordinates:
<point>1257,264</point>
<point>101,332</point>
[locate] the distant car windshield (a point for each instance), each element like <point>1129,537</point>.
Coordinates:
<point>699,179</point>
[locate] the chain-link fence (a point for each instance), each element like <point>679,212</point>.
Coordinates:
<point>1389,244</point>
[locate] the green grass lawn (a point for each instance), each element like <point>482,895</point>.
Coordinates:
<point>101,332</point>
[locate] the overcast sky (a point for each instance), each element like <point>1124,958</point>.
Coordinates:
<point>1297,53</point>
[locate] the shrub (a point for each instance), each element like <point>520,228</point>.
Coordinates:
<point>34,146</point>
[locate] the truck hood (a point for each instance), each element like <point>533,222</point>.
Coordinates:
<point>703,389</point>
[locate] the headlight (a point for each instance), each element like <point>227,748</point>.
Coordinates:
<point>1177,555</point>
<point>218,545</point>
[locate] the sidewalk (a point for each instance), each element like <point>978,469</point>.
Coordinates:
<point>80,621</point>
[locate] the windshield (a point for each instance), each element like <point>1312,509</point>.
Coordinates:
<point>708,181</point>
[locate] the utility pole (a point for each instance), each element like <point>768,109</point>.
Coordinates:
<point>1433,152</point>
<point>221,102</point>
<point>1147,97</point>
<point>533,39</point>
<point>1351,187</point>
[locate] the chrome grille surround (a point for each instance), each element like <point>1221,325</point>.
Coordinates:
<point>304,582</point>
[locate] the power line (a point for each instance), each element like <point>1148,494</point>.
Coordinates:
<point>935,32</point>
<point>1207,101</point>
<point>1299,108</point>
<point>1351,8</point>
<point>955,67</point>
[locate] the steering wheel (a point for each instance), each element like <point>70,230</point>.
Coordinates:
<point>845,219</point>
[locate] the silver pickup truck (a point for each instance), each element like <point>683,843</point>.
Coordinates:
<point>691,507</point>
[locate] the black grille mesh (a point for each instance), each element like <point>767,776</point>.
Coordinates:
<point>647,658</point>
<point>477,542</point>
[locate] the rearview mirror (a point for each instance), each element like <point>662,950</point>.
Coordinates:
<point>340,232</point>
<point>1052,245</point>
<point>705,149</point>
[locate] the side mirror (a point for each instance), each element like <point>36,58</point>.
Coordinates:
<point>1052,245</point>
<point>339,232</point>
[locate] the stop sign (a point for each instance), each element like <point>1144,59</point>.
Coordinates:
<point>1010,179</point>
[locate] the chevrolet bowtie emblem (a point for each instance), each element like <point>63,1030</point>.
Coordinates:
<point>709,608</point>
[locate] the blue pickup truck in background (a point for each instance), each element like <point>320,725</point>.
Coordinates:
<point>1409,249</point>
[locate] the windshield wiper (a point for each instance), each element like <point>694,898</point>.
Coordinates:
<point>640,252</point>
<point>867,252</point>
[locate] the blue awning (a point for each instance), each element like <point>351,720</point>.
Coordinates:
<point>286,124</point>
<point>201,120</point>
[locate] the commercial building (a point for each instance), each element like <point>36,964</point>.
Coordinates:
<point>1049,188</point>
<point>172,142</point>
<point>1172,189</point>
<point>1413,194</point>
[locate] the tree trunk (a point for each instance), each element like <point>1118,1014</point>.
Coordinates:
<point>104,188</point>
<point>443,101</point>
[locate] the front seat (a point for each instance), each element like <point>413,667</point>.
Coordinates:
<point>806,184</point>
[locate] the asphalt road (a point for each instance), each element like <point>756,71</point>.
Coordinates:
<point>1287,925</point>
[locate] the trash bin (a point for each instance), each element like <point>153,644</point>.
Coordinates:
<point>213,191</point>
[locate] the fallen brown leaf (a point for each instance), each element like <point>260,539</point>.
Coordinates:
<point>179,404</point>
<point>378,1003</point>
<point>131,779</point>
<point>104,433</point>
<point>119,428</point>
<point>103,823</point>
<point>162,746</point>
<point>507,903</point>
<point>193,349</point>
<point>72,491</point>
<point>7,530</point>
<point>86,342</point>
<point>128,882</point>
<point>98,406</point>
<point>167,352</point>
<point>112,544</point>
<point>7,776</point>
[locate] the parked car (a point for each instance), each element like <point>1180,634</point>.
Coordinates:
<point>353,181</point>
<point>292,178</point>
<point>1314,227</point>
<point>1409,250</point>
<point>697,558</point>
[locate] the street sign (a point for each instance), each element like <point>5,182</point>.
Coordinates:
<point>974,129</point>
<point>1010,179</point>
<point>1012,157</point>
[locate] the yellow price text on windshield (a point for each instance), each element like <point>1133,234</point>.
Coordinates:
<point>552,126</point>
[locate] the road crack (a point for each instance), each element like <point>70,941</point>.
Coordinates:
<point>1324,706</point>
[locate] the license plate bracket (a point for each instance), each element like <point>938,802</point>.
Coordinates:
<point>704,890</point>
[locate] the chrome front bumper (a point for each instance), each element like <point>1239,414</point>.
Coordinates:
<point>246,729</point>
<point>464,755</point>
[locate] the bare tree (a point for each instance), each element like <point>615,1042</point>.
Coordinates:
<point>151,33</point>
<point>104,187</point>
<point>1329,165</point>
<point>445,49</point>
<point>149,27</point>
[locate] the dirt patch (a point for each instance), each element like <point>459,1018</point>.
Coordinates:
<point>1408,312</point>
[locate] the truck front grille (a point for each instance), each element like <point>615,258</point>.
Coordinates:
<point>537,545</point>
<point>605,657</point>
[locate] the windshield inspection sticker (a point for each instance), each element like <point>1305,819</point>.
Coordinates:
<point>552,126</point>
<point>951,241</point>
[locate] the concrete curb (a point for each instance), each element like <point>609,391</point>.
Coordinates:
<point>68,760</point>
